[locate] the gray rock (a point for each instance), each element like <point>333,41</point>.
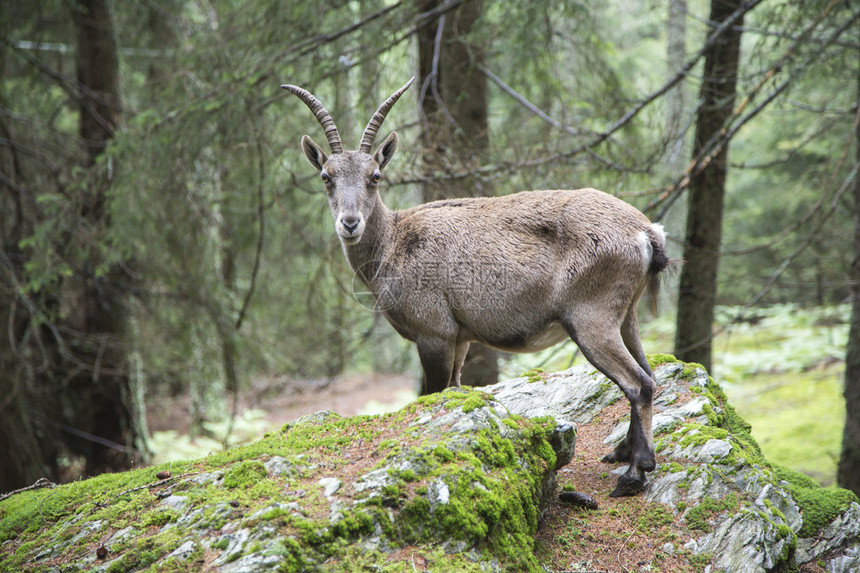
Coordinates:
<point>235,544</point>
<point>176,502</point>
<point>253,563</point>
<point>576,394</point>
<point>665,488</point>
<point>183,551</point>
<point>437,493</point>
<point>330,485</point>
<point>708,452</point>
<point>847,562</point>
<point>748,541</point>
<point>373,481</point>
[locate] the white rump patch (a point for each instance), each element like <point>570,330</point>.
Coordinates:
<point>659,231</point>
<point>643,240</point>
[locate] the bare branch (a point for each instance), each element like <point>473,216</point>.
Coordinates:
<point>670,194</point>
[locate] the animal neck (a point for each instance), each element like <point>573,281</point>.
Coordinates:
<point>366,256</point>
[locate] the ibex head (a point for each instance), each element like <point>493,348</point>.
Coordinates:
<point>351,178</point>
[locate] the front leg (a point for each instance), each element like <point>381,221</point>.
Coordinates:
<point>437,360</point>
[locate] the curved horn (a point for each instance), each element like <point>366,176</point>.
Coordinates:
<point>322,115</point>
<point>379,117</point>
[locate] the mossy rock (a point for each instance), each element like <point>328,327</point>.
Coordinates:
<point>452,477</point>
<point>818,505</point>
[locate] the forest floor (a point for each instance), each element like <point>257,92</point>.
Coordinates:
<point>282,400</point>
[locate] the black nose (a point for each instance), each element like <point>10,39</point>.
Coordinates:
<point>350,223</point>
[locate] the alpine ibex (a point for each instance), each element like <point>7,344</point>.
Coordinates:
<point>519,273</point>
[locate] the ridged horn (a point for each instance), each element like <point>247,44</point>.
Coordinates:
<point>322,115</point>
<point>379,117</point>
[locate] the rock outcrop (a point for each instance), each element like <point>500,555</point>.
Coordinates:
<point>456,481</point>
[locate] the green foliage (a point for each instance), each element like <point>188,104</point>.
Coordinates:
<point>782,370</point>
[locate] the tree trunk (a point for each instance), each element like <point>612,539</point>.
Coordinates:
<point>698,288</point>
<point>456,138</point>
<point>102,399</point>
<point>98,74</point>
<point>848,472</point>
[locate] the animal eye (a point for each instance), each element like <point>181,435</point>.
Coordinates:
<point>376,177</point>
<point>325,178</point>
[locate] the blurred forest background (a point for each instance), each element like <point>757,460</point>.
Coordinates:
<point>161,234</point>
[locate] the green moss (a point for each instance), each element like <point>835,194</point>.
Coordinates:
<point>491,502</point>
<point>159,518</point>
<point>691,371</point>
<point>464,397</point>
<point>606,386</point>
<point>387,445</point>
<point>697,517</point>
<point>698,435</point>
<point>443,454</point>
<point>653,516</point>
<point>671,468</point>
<point>655,360</point>
<point>473,402</point>
<point>732,421</point>
<point>692,434</point>
<point>360,559</point>
<point>819,506</point>
<point>700,561</point>
<point>794,478</point>
<point>55,504</point>
<point>534,375</point>
<point>724,423</point>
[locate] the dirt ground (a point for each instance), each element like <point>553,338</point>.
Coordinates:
<point>285,400</point>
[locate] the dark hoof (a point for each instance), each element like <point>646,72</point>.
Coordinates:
<point>578,499</point>
<point>627,486</point>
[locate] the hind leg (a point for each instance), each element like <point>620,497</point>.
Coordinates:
<point>630,336</point>
<point>460,352</point>
<point>604,347</point>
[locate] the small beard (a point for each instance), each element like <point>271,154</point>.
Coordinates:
<point>350,240</point>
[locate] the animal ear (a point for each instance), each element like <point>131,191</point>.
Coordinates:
<point>316,156</point>
<point>386,150</point>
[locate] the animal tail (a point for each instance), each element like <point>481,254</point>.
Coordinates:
<point>659,263</point>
